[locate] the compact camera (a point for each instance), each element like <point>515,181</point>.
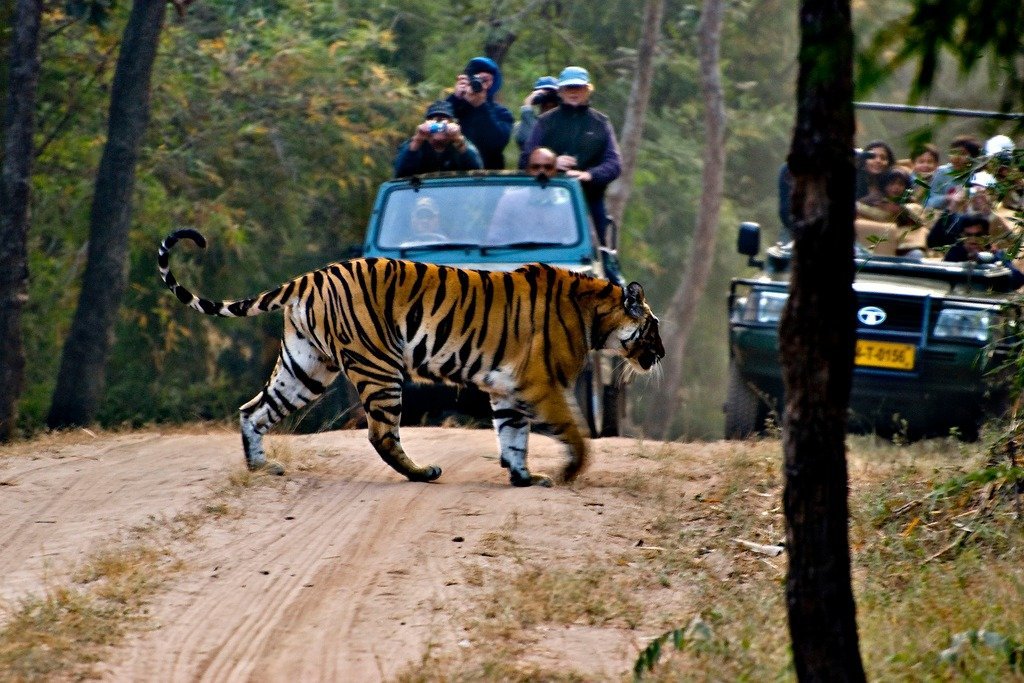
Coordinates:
<point>475,84</point>
<point>438,127</point>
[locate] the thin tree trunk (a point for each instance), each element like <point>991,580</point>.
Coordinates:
<point>82,374</point>
<point>502,32</point>
<point>636,110</point>
<point>682,310</point>
<point>15,193</point>
<point>817,342</point>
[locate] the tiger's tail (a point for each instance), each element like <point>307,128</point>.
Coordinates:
<point>261,303</point>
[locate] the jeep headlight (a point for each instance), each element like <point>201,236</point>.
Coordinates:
<point>765,307</point>
<point>964,323</point>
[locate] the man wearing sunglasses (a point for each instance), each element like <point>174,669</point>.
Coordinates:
<point>583,140</point>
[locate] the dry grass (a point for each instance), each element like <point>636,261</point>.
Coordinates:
<point>68,628</point>
<point>688,515</point>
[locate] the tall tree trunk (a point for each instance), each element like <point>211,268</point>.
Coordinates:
<point>682,310</point>
<point>15,189</point>
<point>636,110</point>
<point>817,343</point>
<point>83,364</point>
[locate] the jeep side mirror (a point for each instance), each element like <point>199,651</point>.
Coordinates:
<point>748,243</point>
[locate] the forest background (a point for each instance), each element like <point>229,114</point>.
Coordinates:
<point>273,122</point>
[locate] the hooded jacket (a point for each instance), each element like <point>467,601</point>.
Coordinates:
<point>488,126</point>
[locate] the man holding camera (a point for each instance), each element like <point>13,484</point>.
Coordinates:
<point>437,145</point>
<point>487,124</point>
<point>545,98</point>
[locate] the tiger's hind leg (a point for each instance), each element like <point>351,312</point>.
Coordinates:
<point>513,428</point>
<point>382,400</point>
<point>558,412</point>
<point>301,376</point>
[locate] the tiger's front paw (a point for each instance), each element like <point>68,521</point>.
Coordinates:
<point>428,473</point>
<point>526,479</point>
<point>268,467</point>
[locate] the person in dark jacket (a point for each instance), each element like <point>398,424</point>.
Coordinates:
<point>487,124</point>
<point>437,145</point>
<point>584,140</point>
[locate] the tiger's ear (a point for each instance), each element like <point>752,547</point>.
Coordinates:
<point>633,300</point>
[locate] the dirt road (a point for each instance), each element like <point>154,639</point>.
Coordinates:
<point>340,571</point>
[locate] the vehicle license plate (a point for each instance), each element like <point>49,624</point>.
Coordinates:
<point>878,354</point>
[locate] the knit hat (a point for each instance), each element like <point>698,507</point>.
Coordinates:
<point>488,65</point>
<point>440,108</point>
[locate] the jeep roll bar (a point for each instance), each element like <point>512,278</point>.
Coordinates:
<point>939,111</point>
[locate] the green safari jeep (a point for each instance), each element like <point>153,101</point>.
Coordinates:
<point>497,220</point>
<point>933,339</point>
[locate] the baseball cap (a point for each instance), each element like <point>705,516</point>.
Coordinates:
<point>426,205</point>
<point>439,108</point>
<point>983,179</point>
<point>546,83</point>
<point>573,75</point>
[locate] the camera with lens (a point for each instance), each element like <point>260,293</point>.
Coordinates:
<point>475,84</point>
<point>438,127</point>
<point>866,154</point>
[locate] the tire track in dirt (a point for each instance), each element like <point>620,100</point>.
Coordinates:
<point>342,572</point>
<point>358,553</point>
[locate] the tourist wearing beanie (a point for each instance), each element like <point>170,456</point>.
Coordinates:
<point>487,124</point>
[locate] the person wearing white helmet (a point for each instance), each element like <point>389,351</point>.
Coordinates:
<point>1009,185</point>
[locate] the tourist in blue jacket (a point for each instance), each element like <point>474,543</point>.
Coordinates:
<point>486,124</point>
<point>584,141</point>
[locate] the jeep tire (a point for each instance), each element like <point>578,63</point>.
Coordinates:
<point>745,413</point>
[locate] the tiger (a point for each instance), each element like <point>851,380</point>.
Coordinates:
<point>522,337</point>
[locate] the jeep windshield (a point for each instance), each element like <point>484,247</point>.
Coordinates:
<point>521,213</point>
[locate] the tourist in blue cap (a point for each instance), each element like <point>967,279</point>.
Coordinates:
<point>545,98</point>
<point>584,141</point>
<point>487,124</point>
<point>437,144</point>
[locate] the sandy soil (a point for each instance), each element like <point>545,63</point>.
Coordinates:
<point>341,572</point>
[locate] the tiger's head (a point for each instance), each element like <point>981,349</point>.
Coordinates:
<point>634,332</point>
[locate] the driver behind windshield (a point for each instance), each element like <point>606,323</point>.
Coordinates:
<point>437,144</point>
<point>425,224</point>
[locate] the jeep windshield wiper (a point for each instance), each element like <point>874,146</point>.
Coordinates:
<point>527,245</point>
<point>439,246</point>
